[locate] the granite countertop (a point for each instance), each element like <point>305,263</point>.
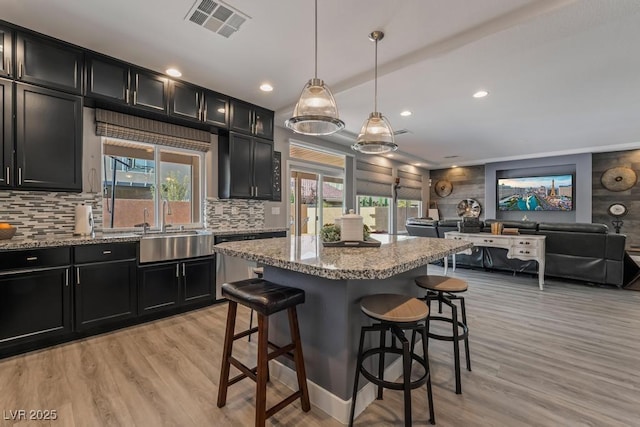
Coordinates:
<point>52,240</point>
<point>306,254</point>
<point>49,241</point>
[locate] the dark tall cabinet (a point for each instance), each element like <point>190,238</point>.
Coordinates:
<point>48,139</point>
<point>245,166</point>
<point>6,133</point>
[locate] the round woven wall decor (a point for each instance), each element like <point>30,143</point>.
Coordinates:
<point>443,187</point>
<point>620,178</point>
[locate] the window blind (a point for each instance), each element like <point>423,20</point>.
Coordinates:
<point>373,180</point>
<point>123,126</point>
<point>410,186</point>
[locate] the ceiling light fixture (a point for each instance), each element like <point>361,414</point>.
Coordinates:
<point>406,113</point>
<point>480,94</point>
<point>376,135</point>
<point>316,112</point>
<point>266,87</point>
<point>173,72</point>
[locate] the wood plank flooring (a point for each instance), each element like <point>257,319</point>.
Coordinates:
<point>565,356</point>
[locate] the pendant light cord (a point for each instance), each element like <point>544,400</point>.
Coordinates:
<point>375,81</point>
<point>316,41</point>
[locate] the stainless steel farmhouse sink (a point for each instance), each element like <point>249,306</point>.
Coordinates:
<point>175,245</point>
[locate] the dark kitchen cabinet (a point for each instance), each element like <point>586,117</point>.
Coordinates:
<point>6,51</point>
<point>48,63</point>
<point>107,79</point>
<point>105,284</point>
<point>252,120</point>
<point>6,133</point>
<point>48,139</point>
<point>35,296</point>
<point>245,166</point>
<point>149,91</point>
<point>116,82</point>
<point>166,286</point>
<point>196,104</point>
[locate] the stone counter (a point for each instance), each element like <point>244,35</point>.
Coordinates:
<point>306,254</point>
<point>65,240</point>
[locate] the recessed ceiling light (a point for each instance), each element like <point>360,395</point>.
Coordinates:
<point>389,155</point>
<point>454,166</point>
<point>480,94</point>
<point>266,87</point>
<point>173,72</point>
<point>417,164</point>
<point>406,113</point>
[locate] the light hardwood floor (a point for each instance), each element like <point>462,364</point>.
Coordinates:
<point>565,356</point>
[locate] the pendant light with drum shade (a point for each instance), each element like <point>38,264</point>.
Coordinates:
<point>376,135</point>
<point>316,112</point>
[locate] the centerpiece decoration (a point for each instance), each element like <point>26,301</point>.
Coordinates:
<point>348,231</point>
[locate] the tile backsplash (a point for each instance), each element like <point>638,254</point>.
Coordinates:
<point>233,214</point>
<point>37,213</point>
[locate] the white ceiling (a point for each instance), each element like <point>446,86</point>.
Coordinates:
<point>563,75</point>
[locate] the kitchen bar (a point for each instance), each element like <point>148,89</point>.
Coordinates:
<point>335,279</point>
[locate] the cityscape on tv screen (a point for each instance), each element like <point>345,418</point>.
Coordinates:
<point>536,193</point>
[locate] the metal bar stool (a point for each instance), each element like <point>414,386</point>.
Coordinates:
<point>265,298</point>
<point>444,289</point>
<point>395,313</point>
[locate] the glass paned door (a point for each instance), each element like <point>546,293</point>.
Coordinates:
<point>316,199</point>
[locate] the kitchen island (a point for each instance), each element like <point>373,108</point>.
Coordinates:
<point>335,279</point>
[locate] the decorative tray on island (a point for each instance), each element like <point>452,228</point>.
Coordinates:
<point>369,243</point>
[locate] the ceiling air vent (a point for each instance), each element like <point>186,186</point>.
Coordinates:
<point>216,16</point>
<point>400,132</point>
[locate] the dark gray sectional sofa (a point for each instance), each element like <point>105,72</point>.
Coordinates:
<point>577,251</point>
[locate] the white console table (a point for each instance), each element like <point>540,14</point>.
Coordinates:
<point>524,247</point>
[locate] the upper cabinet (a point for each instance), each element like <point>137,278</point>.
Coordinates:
<point>48,146</point>
<point>197,104</point>
<point>6,51</point>
<point>252,120</point>
<point>6,132</point>
<point>116,82</point>
<point>245,167</point>
<point>48,63</point>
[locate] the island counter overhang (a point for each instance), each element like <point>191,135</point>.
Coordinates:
<point>334,280</point>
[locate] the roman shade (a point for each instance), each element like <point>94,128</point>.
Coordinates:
<point>410,186</point>
<point>373,180</point>
<point>123,126</point>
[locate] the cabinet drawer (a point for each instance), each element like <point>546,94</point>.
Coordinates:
<point>35,258</point>
<point>525,243</point>
<point>104,252</point>
<point>533,252</point>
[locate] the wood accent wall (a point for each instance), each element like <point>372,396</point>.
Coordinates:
<point>603,198</point>
<point>468,183</point>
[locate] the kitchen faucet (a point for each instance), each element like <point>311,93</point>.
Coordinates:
<point>145,224</point>
<point>166,210</point>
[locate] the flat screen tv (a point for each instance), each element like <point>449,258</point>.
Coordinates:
<point>536,193</point>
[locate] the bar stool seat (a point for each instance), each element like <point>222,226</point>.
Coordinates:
<point>265,298</point>
<point>444,289</point>
<point>395,313</point>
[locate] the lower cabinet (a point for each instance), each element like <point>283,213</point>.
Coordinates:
<point>105,284</point>
<point>164,286</point>
<point>35,301</point>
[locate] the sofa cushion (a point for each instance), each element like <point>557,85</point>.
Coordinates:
<point>573,227</point>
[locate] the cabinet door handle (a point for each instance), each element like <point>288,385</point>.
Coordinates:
<point>126,95</point>
<point>7,64</point>
<point>8,175</point>
<point>78,276</point>
<point>19,176</point>
<point>32,258</point>
<point>66,277</point>
<point>204,112</point>
<point>184,272</point>
<point>106,252</point>
<point>135,97</point>
<point>20,70</point>
<point>177,270</point>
